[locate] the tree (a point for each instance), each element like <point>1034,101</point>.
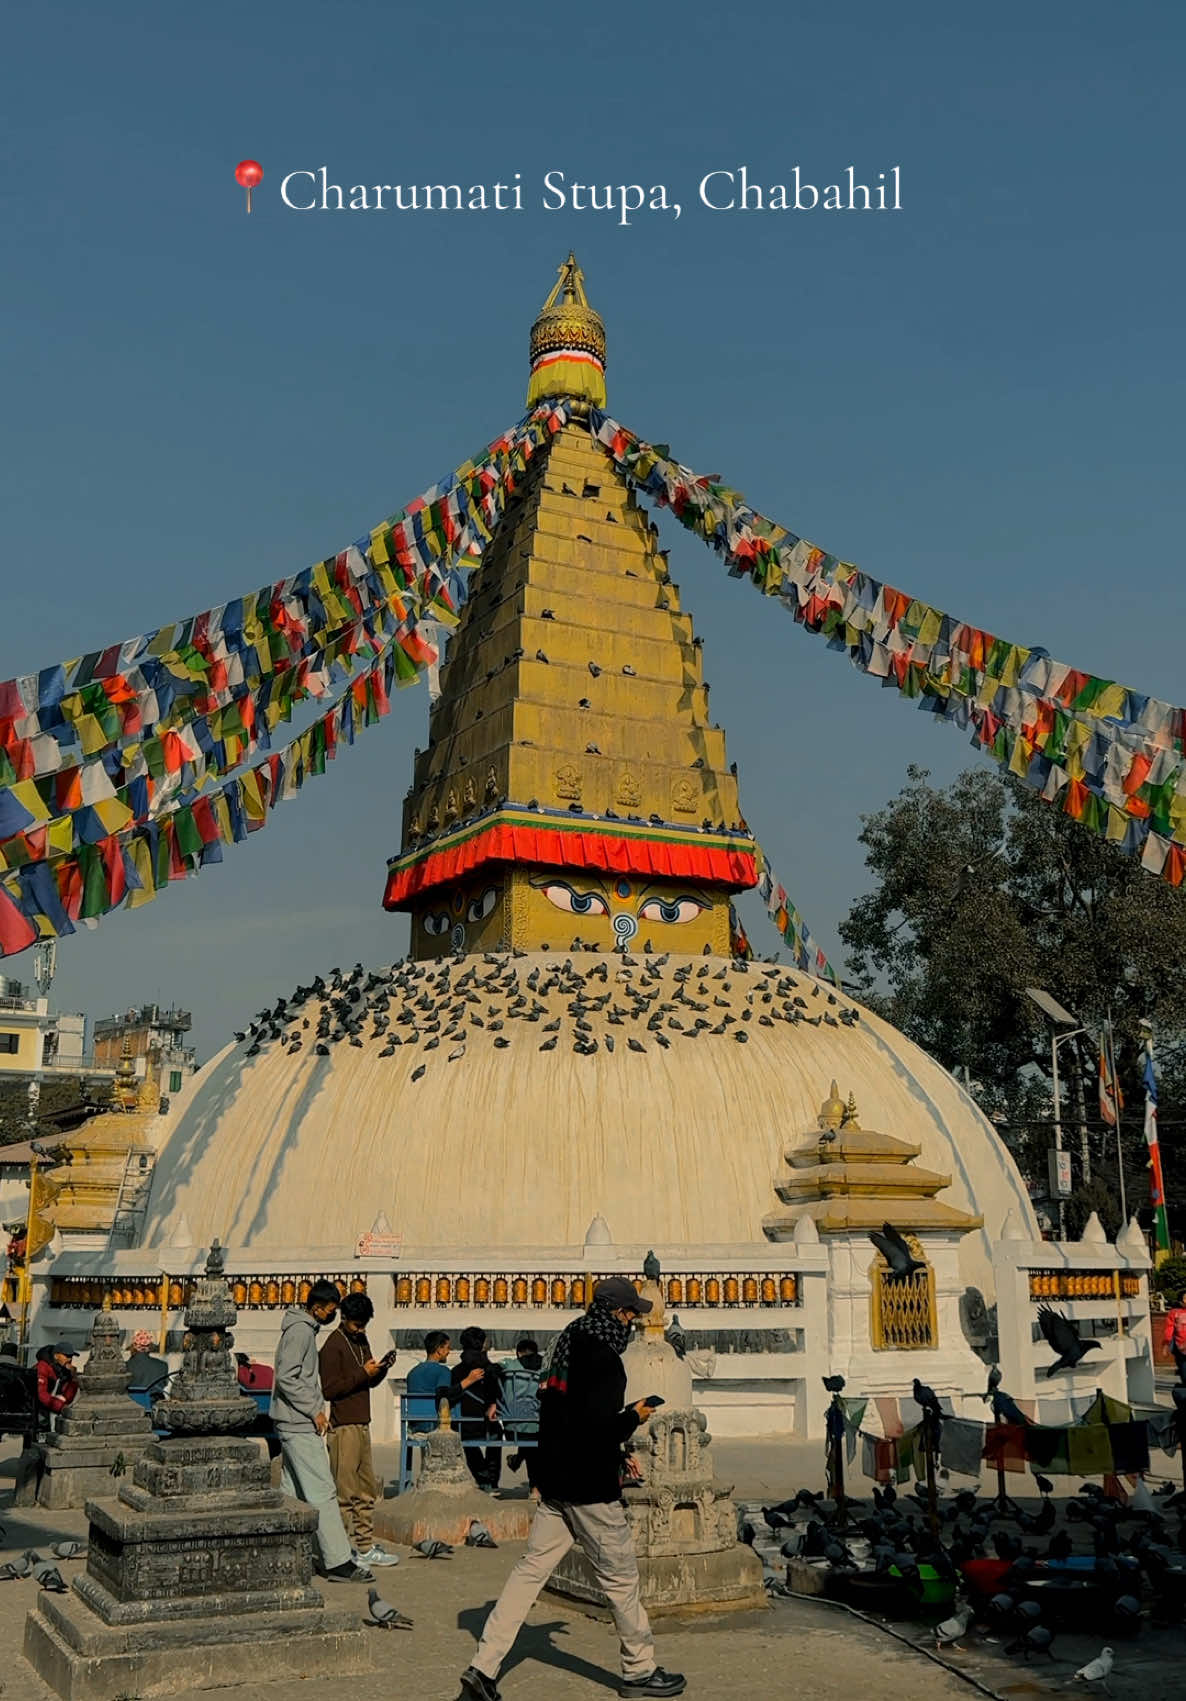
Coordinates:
<point>982,889</point>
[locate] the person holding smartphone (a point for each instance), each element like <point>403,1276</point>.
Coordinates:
<point>349,1370</point>
<point>584,1430</point>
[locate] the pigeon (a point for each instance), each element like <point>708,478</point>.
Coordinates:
<point>383,1615</point>
<point>68,1550</point>
<point>478,1535</point>
<point>902,1262</point>
<point>119,1466</point>
<point>994,1382</point>
<point>1043,1484</point>
<point>1063,1336</point>
<point>773,1583</point>
<point>834,1384</point>
<point>431,1549</point>
<point>1036,1640</point>
<point>953,1629</point>
<point>1097,1670</point>
<point>15,1569</point>
<point>417,1073</point>
<point>745,1530</point>
<point>49,1577</point>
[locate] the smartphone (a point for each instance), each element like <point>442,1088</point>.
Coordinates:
<point>390,1358</point>
<point>654,1400</point>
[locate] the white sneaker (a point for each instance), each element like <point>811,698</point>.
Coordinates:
<point>376,1556</point>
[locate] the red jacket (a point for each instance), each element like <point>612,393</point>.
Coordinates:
<point>1175,1328</point>
<point>55,1386</point>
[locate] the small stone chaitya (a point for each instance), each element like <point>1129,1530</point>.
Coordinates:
<point>102,1433</point>
<point>199,1573</point>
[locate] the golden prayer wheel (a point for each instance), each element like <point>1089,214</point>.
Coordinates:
<point>239,1292</point>
<point>712,1291</point>
<point>303,1288</point>
<point>403,1290</point>
<point>559,1291</point>
<point>539,1291</point>
<point>444,1290</point>
<point>358,1284</point>
<point>769,1291</point>
<point>675,1291</point>
<point>176,1297</point>
<point>519,1290</point>
<point>576,1292</point>
<point>502,1290</point>
<point>731,1290</point>
<point>288,1291</point>
<point>695,1288</point>
<point>749,1290</point>
<point>461,1290</point>
<point>255,1293</point>
<point>340,1285</point>
<point>273,1293</point>
<point>423,1290</point>
<point>482,1290</point>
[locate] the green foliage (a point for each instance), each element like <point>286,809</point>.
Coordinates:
<point>982,889</point>
<point>1169,1278</point>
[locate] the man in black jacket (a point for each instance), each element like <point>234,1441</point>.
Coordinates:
<point>583,1430</point>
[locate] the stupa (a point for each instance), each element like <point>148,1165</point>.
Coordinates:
<point>571,1065</point>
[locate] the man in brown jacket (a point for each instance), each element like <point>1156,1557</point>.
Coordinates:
<point>349,1371</point>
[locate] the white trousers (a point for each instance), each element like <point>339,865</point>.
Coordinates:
<point>306,1476</point>
<point>603,1535</point>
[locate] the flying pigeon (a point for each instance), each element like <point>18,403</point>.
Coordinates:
<point>478,1535</point>
<point>1063,1337</point>
<point>1097,1670</point>
<point>383,1615</point>
<point>431,1549</point>
<point>902,1262</point>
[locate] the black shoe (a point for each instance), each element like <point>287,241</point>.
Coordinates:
<point>476,1686</point>
<point>348,1573</point>
<point>660,1682</point>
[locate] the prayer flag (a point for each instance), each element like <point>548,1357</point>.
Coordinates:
<point>1161,1227</point>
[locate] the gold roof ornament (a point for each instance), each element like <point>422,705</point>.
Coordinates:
<point>568,343</point>
<point>831,1112</point>
<point>849,1119</point>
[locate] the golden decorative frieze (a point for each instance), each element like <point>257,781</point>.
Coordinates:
<point>566,1292</point>
<point>1082,1284</point>
<point>164,1292</point>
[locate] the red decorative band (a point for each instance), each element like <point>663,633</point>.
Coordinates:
<point>708,859</point>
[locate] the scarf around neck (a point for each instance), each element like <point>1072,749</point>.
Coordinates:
<point>599,1324</point>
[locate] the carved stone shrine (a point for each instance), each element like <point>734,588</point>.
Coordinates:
<point>101,1433</point>
<point>446,1500</point>
<point>199,1574</point>
<point>683,1521</point>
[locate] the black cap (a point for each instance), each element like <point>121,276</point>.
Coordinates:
<point>617,1294</point>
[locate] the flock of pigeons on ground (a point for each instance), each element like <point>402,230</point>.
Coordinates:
<point>878,1553</point>
<point>452,1004</point>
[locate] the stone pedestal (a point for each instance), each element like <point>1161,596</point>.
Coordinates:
<point>102,1431</point>
<point>683,1520</point>
<point>446,1499</point>
<point>200,1573</point>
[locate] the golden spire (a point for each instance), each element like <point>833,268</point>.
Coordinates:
<point>850,1113</point>
<point>568,343</point>
<point>831,1112</point>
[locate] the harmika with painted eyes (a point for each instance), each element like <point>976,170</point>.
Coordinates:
<point>627,904</point>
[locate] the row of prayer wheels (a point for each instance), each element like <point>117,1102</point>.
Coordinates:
<point>260,1292</point>
<point>1081,1284</point>
<point>567,1293</point>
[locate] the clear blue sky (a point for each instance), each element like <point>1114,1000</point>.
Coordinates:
<point>978,398</point>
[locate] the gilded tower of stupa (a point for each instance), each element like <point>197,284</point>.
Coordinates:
<point>574,786</point>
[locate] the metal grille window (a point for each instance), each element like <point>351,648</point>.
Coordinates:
<point>904,1316</point>
<point>10,1044</point>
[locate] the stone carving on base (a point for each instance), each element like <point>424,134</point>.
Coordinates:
<point>199,1573</point>
<point>101,1431</point>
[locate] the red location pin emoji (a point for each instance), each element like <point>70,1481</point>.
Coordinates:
<point>248,173</point>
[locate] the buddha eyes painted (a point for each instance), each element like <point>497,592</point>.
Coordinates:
<point>480,907</point>
<point>566,897</point>
<point>680,909</point>
<point>436,922</point>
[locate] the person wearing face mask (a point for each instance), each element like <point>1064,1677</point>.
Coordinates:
<point>584,1428</point>
<point>300,1421</point>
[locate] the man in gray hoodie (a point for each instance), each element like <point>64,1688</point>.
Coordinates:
<point>298,1413</point>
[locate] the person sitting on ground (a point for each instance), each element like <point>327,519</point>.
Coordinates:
<point>301,1422</point>
<point>1175,1335</point>
<point>148,1374</point>
<point>57,1385</point>
<point>349,1370</point>
<point>479,1408</point>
